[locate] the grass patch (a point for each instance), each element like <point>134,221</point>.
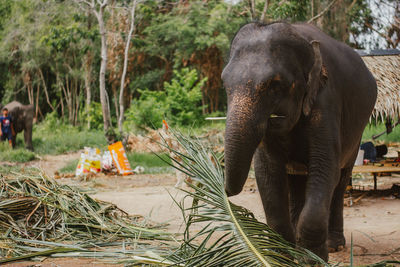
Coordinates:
<point>151,163</point>
<point>70,167</point>
<point>15,155</point>
<point>67,139</point>
<point>372,129</point>
<point>62,140</point>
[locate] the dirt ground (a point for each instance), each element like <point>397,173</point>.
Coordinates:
<point>374,222</point>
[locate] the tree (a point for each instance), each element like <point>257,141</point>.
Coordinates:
<point>50,51</point>
<point>125,67</point>
<point>98,8</point>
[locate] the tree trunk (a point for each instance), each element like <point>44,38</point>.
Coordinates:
<point>125,67</point>
<point>61,95</point>
<point>45,89</point>
<point>88,74</point>
<point>77,103</point>
<point>62,106</point>
<point>252,9</point>
<point>105,105</point>
<point>115,97</point>
<point>265,10</point>
<point>67,93</point>
<point>88,81</point>
<point>37,102</point>
<point>29,87</point>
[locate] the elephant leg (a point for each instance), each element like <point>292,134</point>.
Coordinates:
<point>273,186</point>
<point>323,177</point>
<point>297,191</point>
<point>14,140</point>
<point>28,138</point>
<point>336,239</point>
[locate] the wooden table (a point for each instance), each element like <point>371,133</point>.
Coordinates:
<point>375,170</point>
<point>294,168</point>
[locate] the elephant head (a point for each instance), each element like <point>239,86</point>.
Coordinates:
<point>271,80</point>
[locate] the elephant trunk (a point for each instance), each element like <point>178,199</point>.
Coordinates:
<point>242,137</point>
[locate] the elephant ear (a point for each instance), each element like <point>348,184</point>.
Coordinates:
<point>314,79</point>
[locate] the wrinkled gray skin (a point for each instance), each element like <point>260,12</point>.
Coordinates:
<point>22,117</point>
<point>326,95</point>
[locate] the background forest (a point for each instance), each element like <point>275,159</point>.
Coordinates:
<point>67,56</point>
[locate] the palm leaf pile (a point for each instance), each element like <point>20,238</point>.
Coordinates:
<point>38,216</point>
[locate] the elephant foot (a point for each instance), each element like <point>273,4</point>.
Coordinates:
<point>320,251</point>
<point>336,241</point>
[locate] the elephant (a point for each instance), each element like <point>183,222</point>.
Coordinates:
<point>298,101</point>
<point>22,116</point>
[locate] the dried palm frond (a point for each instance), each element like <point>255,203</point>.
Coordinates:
<point>385,69</point>
<point>37,213</point>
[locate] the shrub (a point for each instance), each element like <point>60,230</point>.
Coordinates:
<point>180,102</point>
<point>95,116</point>
<point>184,97</point>
<point>149,110</point>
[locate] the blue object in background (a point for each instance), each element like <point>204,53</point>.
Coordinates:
<point>369,151</point>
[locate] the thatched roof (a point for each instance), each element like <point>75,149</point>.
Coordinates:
<point>385,66</point>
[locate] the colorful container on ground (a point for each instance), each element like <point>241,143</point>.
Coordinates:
<point>120,159</point>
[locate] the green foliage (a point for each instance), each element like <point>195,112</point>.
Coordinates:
<point>95,116</point>
<point>149,110</point>
<point>373,129</point>
<point>53,136</point>
<point>147,80</point>
<point>180,102</point>
<point>184,97</point>
<point>152,163</point>
<point>61,41</point>
<point>289,10</point>
<point>70,166</point>
<point>61,37</point>
<point>192,28</point>
<point>15,155</point>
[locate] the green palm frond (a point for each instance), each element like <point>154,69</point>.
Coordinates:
<point>230,234</point>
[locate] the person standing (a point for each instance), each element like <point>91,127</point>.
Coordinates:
<point>6,129</point>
